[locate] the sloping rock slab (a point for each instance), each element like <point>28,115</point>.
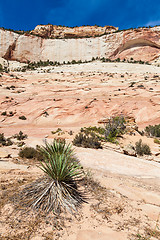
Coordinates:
<point>94,235</point>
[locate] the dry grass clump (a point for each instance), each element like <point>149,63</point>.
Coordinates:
<point>9,187</point>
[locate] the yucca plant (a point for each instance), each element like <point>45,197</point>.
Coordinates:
<point>58,189</point>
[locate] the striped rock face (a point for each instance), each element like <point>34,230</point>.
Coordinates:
<point>82,43</point>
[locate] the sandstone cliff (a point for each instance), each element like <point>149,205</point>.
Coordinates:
<point>53,31</point>
<point>139,44</point>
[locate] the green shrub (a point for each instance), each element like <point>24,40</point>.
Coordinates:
<point>90,137</point>
<point>5,141</point>
<point>85,140</point>
<point>4,113</point>
<point>132,84</point>
<point>20,144</point>
<point>22,117</point>
<point>1,68</point>
<point>20,136</point>
<point>57,131</point>
<point>114,128</point>
<point>29,153</point>
<point>118,60</point>
<point>73,62</point>
<point>97,130</point>
<point>142,148</point>
<point>153,131</point>
<point>156,141</point>
<point>11,114</point>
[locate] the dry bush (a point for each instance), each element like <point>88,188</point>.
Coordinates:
<point>142,148</point>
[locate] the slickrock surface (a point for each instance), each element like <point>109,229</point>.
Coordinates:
<point>78,95</point>
<point>80,44</point>
<point>123,191</point>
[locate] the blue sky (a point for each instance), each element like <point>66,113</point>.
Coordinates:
<point>25,15</point>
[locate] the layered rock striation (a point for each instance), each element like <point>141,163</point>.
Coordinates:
<point>53,31</point>
<point>61,44</point>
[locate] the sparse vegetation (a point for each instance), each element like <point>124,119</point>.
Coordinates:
<point>156,141</point>
<point>114,128</point>
<point>87,140</point>
<point>153,131</point>
<point>1,68</point>
<point>142,148</point>
<point>22,117</point>
<point>34,65</point>
<point>91,137</point>
<point>11,114</point>
<point>4,113</point>
<point>132,84</point>
<point>140,86</point>
<point>30,153</point>
<point>124,60</point>
<point>20,144</point>
<point>97,130</point>
<point>57,131</point>
<point>20,136</point>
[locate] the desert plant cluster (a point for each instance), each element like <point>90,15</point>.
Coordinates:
<point>34,65</point>
<point>93,136</point>
<point>58,189</point>
<point>5,141</point>
<point>142,148</point>
<point>153,130</point>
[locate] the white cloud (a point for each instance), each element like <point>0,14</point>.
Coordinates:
<point>153,23</point>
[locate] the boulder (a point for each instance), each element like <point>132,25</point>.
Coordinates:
<point>129,150</point>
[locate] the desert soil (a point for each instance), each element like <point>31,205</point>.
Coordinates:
<point>123,191</point>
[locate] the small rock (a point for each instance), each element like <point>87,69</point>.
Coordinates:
<point>157,154</point>
<point>8,156</point>
<point>129,150</point>
<point>3,154</point>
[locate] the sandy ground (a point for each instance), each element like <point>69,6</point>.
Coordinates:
<point>124,204</point>
<point>123,191</point>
